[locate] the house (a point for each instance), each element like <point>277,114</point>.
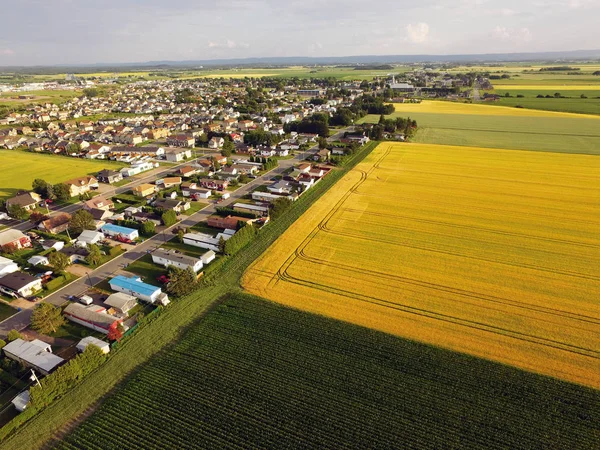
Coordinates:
<point>26,200</point>
<point>56,224</point>
<point>177,154</point>
<point>322,155</point>
<point>252,209</point>
<point>7,266</point>
<point>206,241</point>
<point>135,286</point>
<point>91,340</point>
<point>227,223</point>
<point>167,204</point>
<point>35,354</point>
<point>338,151</point>
<point>81,185</point>
<point>115,230</point>
<point>216,142</point>
<point>75,254</point>
<point>281,187</point>
<point>121,302</point>
<point>88,237</point>
<point>268,197</point>
<point>169,182</point>
<point>137,168</point>
<point>51,243</point>
<point>37,260</point>
<point>20,284</point>
<point>219,185</point>
<point>92,316</point>
<point>188,171</point>
<point>99,203</point>
<point>13,239</point>
<point>168,258</point>
<point>109,176</point>
<point>144,190</point>
<point>245,168</point>
<point>181,140</point>
<point>208,257</point>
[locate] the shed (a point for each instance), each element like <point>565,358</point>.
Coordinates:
<point>208,257</point>
<point>121,302</point>
<point>37,260</point>
<point>91,340</point>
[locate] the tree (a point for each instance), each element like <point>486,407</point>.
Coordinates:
<point>222,243</point>
<point>115,332</point>
<point>180,234</point>
<point>94,256</point>
<point>228,148</point>
<point>148,228</point>
<point>36,217</point>
<point>62,192</point>
<point>17,212</point>
<point>46,318</point>
<point>90,92</point>
<point>59,261</point>
<point>279,206</point>
<point>2,344</point>
<point>169,218</point>
<point>81,220</point>
<point>322,143</point>
<point>13,335</point>
<point>40,187</point>
<point>181,281</point>
<point>2,205</point>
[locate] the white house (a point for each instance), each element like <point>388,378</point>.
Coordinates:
<point>35,354</point>
<point>91,340</point>
<point>88,237</point>
<point>203,240</point>
<point>208,257</point>
<point>20,284</point>
<point>216,142</point>
<point>38,260</point>
<point>7,266</point>
<point>136,287</point>
<point>171,258</point>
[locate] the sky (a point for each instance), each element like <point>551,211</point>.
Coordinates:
<point>43,32</point>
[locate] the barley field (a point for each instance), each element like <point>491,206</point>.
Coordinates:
<point>489,252</point>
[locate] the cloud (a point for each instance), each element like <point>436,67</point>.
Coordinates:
<point>418,33</point>
<point>228,44</point>
<point>7,51</point>
<point>512,34</point>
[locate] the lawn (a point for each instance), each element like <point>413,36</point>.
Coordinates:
<point>462,124</point>
<point>253,374</point>
<point>194,208</point>
<point>6,311</point>
<point>145,268</point>
<point>189,250</point>
<point>487,252</point>
<point>20,168</point>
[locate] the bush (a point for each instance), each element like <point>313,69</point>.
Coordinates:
<point>148,228</point>
<point>2,343</point>
<point>169,218</point>
<point>13,335</point>
<point>224,211</point>
<point>55,283</point>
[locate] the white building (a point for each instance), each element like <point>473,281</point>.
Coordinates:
<point>37,260</point>
<point>90,340</point>
<point>88,237</point>
<point>168,258</point>
<point>136,287</point>
<point>35,354</point>
<point>7,266</point>
<point>121,302</point>
<point>203,240</point>
<point>208,257</point>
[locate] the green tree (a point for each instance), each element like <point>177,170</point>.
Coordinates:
<point>59,261</point>
<point>181,281</point>
<point>62,192</point>
<point>180,234</point>
<point>17,212</point>
<point>148,228</point>
<point>46,318</point>
<point>94,256</point>
<point>90,92</point>
<point>81,220</point>
<point>2,343</point>
<point>279,207</point>
<point>40,187</point>
<point>322,142</point>
<point>228,147</point>
<point>13,335</point>
<point>169,218</point>
<point>222,243</point>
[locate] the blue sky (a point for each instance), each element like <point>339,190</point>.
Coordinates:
<point>88,31</point>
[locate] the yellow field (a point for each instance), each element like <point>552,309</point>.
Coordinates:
<point>442,107</point>
<point>489,252</point>
<point>548,87</point>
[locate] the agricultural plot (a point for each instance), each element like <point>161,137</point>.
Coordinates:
<point>488,252</point>
<point>253,374</point>
<point>471,125</point>
<point>20,168</point>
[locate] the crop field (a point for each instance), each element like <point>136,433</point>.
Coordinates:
<point>488,252</point>
<point>550,87</point>
<point>254,374</point>
<point>20,168</point>
<point>463,124</point>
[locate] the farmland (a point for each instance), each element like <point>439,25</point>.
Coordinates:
<point>20,168</point>
<point>254,374</point>
<point>475,250</point>
<point>472,125</point>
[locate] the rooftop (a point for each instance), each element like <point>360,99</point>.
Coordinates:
<point>134,284</point>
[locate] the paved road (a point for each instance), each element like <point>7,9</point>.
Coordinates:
<point>22,319</point>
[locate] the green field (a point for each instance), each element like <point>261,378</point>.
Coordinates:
<point>54,96</point>
<point>555,134</point>
<point>20,168</point>
<point>254,374</point>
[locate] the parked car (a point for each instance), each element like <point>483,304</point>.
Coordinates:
<point>163,279</point>
<point>86,300</point>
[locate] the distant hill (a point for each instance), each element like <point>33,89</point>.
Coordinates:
<point>346,60</point>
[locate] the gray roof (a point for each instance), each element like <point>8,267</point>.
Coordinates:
<point>35,353</point>
<point>175,257</point>
<point>16,280</point>
<point>10,236</point>
<point>121,301</point>
<point>88,314</point>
